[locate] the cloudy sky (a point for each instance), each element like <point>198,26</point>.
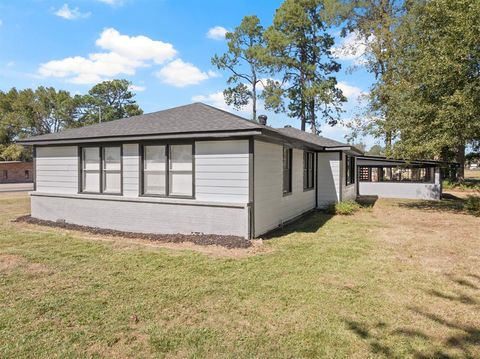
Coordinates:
<point>163,47</point>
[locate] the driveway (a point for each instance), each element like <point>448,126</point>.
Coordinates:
<point>16,187</point>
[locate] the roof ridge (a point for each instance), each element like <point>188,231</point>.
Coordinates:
<point>228,113</point>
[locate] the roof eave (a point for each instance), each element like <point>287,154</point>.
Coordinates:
<point>185,135</point>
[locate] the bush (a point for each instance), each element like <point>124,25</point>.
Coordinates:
<point>344,208</point>
<point>472,205</point>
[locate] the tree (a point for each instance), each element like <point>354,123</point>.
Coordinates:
<point>436,97</point>
<point>106,101</point>
<point>300,49</point>
<point>376,150</point>
<point>245,60</point>
<point>372,24</point>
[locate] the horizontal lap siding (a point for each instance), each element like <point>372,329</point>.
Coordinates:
<point>272,208</point>
<point>328,179</point>
<point>221,171</point>
<point>131,170</point>
<point>57,169</point>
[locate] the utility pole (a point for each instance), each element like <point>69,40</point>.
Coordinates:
<point>99,114</point>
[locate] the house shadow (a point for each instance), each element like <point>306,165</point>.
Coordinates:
<point>310,222</point>
<point>462,339</point>
<point>367,201</point>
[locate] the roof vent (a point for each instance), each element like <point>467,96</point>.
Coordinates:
<point>262,119</point>
<point>287,126</point>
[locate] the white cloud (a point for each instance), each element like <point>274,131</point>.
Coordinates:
<point>180,74</point>
<point>352,48</point>
<point>215,99</point>
<point>1,22</point>
<point>111,2</point>
<point>126,55</point>
<point>137,88</point>
<point>351,92</point>
<point>70,14</point>
<point>217,33</point>
<point>136,47</point>
<point>10,63</point>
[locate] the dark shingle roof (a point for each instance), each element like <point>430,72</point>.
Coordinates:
<point>196,117</point>
<point>310,137</point>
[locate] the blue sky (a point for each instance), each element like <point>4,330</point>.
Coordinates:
<point>163,47</point>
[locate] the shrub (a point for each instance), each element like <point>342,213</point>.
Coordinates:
<point>472,205</point>
<point>344,208</point>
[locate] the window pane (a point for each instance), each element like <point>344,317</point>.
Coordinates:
<point>91,181</point>
<point>375,177</point>
<point>111,158</point>
<point>111,182</point>
<point>155,158</point>
<point>180,169</point>
<point>154,182</point>
<point>91,158</point>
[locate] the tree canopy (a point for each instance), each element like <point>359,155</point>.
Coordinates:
<point>43,110</point>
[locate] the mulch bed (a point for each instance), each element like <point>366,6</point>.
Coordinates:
<point>229,242</point>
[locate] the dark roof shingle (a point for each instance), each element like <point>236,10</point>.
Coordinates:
<point>196,117</point>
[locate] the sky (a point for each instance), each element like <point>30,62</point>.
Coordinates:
<point>164,47</point>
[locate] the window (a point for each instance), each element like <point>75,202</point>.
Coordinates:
<point>349,170</point>
<point>308,170</point>
<point>111,170</point>
<point>168,170</point>
<point>101,170</point>
<point>287,170</point>
<point>364,174</point>
<point>396,174</point>
<point>154,170</point>
<point>27,174</point>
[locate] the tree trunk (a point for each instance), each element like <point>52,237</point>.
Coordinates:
<point>254,101</point>
<point>313,120</point>
<point>460,159</point>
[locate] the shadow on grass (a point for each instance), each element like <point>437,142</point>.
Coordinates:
<point>367,201</point>
<point>308,223</point>
<point>463,340</point>
<point>449,203</point>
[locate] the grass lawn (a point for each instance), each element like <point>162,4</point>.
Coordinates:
<point>397,280</point>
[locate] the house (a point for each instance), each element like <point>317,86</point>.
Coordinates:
<point>16,172</point>
<point>189,169</point>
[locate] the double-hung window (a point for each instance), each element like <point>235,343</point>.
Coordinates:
<point>349,170</point>
<point>287,170</point>
<point>168,170</point>
<point>101,169</point>
<point>308,170</point>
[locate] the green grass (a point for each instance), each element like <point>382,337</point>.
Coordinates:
<point>334,287</point>
<point>344,208</point>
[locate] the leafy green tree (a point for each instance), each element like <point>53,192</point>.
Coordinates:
<point>106,101</point>
<point>376,150</point>
<point>373,24</point>
<point>245,59</point>
<point>436,92</point>
<point>300,48</point>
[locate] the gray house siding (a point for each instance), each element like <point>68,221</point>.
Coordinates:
<point>221,204</point>
<point>328,178</point>
<point>143,215</point>
<point>272,208</point>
